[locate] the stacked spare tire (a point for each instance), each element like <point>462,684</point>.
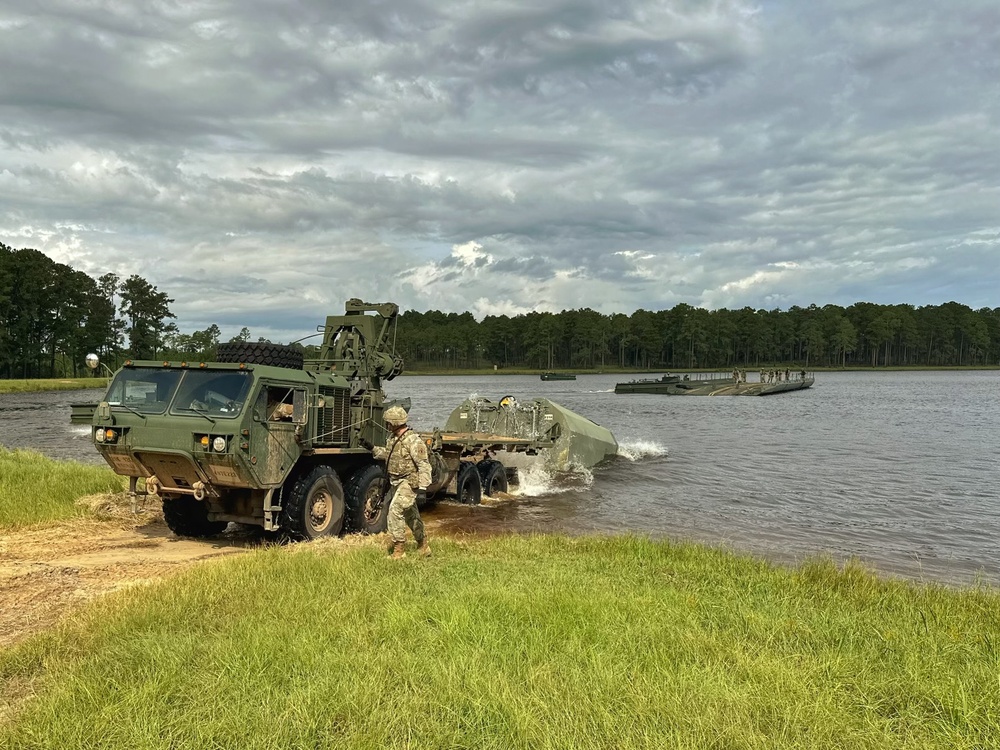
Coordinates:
<point>260,353</point>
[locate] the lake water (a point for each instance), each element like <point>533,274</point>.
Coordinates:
<point>897,469</point>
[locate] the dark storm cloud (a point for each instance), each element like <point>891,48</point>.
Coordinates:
<point>263,161</point>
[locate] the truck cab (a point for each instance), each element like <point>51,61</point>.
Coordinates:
<point>220,441</point>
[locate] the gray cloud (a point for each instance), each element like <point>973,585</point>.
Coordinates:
<point>261,162</point>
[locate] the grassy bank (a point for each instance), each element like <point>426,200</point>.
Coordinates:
<point>51,384</point>
<point>36,489</point>
<point>513,642</point>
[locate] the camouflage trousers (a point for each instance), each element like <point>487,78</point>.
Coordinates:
<point>403,512</point>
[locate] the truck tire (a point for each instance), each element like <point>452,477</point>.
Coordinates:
<point>260,353</point>
<point>493,476</point>
<point>367,513</point>
<point>468,485</point>
<point>314,506</point>
<point>186,516</point>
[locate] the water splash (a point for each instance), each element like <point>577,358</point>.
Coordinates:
<point>636,450</point>
<point>536,479</point>
<point>542,482</point>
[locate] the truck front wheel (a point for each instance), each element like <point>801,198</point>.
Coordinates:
<point>189,517</point>
<point>367,509</point>
<point>315,505</point>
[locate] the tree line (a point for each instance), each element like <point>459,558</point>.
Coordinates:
<point>51,316</point>
<point>686,337</point>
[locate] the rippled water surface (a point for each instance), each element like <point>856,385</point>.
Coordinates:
<point>897,469</point>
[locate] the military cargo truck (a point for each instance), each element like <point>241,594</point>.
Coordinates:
<point>265,437</point>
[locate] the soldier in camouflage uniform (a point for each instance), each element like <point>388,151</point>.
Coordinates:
<point>409,476</point>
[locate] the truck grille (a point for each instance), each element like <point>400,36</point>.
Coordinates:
<point>334,417</point>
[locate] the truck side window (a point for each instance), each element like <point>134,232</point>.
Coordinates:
<point>279,404</point>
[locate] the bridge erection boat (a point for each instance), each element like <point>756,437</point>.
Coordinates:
<point>675,385</point>
<point>558,376</point>
<point>569,439</point>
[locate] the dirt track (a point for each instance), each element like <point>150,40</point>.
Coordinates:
<point>47,572</point>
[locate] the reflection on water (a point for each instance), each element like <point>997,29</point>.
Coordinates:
<point>897,469</point>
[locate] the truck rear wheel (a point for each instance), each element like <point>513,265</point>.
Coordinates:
<point>260,353</point>
<point>468,485</point>
<point>367,511</point>
<point>186,516</point>
<point>493,475</point>
<point>315,505</point>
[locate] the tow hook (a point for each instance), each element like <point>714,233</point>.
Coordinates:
<point>152,486</point>
<point>199,490</point>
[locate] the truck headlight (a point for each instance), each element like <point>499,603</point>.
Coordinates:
<point>99,434</point>
<point>219,444</point>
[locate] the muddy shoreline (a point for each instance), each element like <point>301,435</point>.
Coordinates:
<point>49,572</point>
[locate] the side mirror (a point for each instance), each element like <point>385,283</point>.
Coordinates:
<point>93,362</point>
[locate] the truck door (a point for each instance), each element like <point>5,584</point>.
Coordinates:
<point>274,449</point>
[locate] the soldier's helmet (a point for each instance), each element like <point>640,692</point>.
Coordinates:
<point>395,416</point>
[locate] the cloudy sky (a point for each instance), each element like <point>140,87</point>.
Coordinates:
<point>263,160</point>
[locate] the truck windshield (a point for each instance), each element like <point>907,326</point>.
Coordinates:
<point>143,389</point>
<point>215,393</point>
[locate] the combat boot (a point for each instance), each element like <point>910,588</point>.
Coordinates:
<point>424,548</point>
<point>398,550</point>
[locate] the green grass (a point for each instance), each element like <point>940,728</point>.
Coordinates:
<point>51,384</point>
<point>36,489</point>
<point>514,642</point>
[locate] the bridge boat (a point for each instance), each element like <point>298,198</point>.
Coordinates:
<point>675,385</point>
<point>558,376</point>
